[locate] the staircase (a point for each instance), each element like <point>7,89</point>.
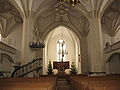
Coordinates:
<point>31,67</point>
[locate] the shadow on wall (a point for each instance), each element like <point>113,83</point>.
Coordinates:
<point>114,63</point>
<point>6,65</point>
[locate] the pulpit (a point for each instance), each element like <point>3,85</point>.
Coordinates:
<point>61,66</point>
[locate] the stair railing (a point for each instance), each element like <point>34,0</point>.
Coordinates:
<point>24,70</point>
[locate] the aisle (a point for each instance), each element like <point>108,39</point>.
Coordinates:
<point>62,84</point>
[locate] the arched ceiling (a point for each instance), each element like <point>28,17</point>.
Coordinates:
<point>49,12</point>
<point>77,17</point>
<point>111,18</point>
<point>9,16</point>
<point>62,14</point>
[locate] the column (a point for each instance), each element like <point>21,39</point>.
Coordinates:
<point>95,46</point>
<point>27,36</point>
<point>84,54</point>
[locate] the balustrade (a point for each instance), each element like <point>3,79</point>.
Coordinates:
<point>35,65</point>
<point>112,47</point>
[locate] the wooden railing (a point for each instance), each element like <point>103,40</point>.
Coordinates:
<point>112,47</point>
<point>7,48</point>
<point>35,65</point>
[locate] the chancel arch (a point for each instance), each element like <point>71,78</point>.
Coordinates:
<point>72,43</point>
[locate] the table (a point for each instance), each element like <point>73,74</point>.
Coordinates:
<point>61,66</point>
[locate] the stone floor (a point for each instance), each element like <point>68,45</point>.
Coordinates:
<point>62,84</point>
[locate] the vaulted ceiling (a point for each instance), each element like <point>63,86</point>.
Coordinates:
<point>9,16</point>
<point>111,18</point>
<point>51,13</point>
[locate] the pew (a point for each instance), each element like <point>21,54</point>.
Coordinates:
<point>85,82</point>
<point>103,86</point>
<point>40,83</point>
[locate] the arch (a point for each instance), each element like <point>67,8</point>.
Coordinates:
<point>55,25</point>
<point>74,46</point>
<point>113,63</point>
<point>113,55</point>
<point>4,55</point>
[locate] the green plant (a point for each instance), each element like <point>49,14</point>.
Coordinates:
<point>73,68</point>
<point>50,69</point>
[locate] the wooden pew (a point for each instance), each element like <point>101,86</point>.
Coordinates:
<point>41,83</point>
<point>81,82</point>
<point>103,86</point>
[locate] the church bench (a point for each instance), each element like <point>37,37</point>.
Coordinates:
<point>113,85</point>
<point>41,83</point>
<point>79,82</point>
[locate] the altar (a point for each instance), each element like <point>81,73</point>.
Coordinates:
<point>61,66</point>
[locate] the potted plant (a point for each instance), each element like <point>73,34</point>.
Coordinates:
<point>50,69</point>
<point>73,68</point>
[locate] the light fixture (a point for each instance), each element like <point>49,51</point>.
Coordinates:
<point>36,44</point>
<point>71,2</point>
<point>61,10</point>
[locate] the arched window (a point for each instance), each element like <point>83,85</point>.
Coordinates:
<point>61,50</point>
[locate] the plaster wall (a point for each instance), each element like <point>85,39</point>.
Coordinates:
<point>14,39</point>
<point>108,38</point>
<point>113,66</point>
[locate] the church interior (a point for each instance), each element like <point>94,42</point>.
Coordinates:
<point>59,44</point>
